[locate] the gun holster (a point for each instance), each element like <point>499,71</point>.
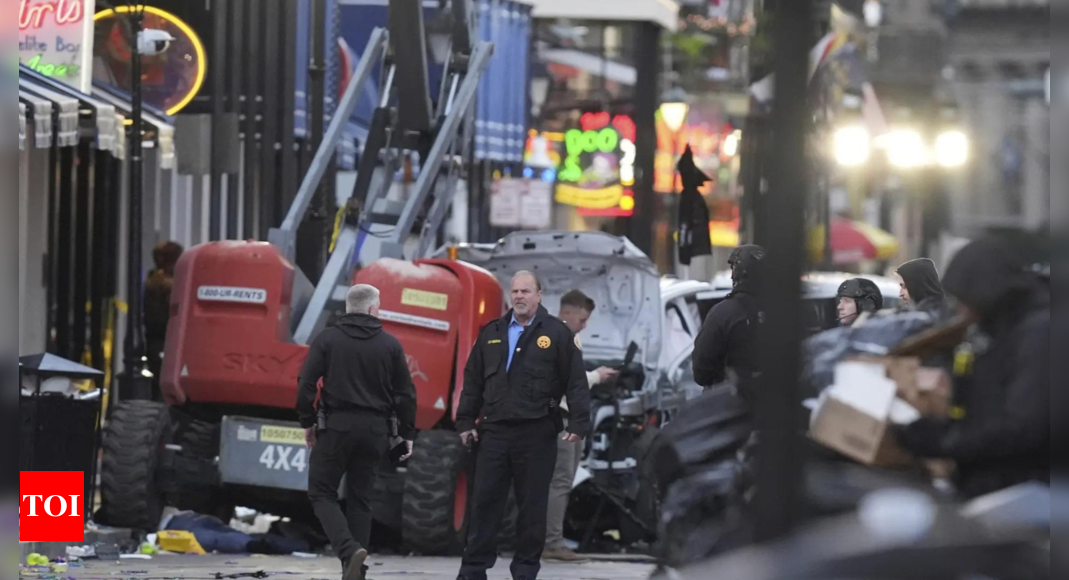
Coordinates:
<point>321,420</point>
<point>393,428</point>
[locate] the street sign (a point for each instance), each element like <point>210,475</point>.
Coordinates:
<point>505,203</point>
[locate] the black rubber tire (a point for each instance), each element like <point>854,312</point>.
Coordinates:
<point>201,440</point>
<point>133,439</point>
<point>427,511</point>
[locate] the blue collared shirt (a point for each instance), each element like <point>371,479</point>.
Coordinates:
<point>515,332</point>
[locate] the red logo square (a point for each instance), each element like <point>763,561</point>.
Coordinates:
<point>51,506</point>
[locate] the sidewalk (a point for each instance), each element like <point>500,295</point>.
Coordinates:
<point>54,550</point>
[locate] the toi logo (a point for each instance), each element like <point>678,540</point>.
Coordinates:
<point>51,506</point>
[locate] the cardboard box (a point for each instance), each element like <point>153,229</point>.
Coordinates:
<point>935,392</point>
<point>855,416</point>
<point>928,390</point>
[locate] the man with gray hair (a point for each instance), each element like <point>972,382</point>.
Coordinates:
<point>366,382</point>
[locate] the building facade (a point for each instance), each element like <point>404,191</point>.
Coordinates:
<point>998,62</point>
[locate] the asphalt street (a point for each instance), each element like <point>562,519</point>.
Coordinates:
<point>291,568</point>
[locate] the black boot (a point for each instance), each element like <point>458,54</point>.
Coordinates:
<point>355,569</point>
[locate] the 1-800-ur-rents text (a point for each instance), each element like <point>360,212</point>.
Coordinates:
<point>232,294</point>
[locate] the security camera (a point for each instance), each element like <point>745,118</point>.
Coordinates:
<point>154,42</point>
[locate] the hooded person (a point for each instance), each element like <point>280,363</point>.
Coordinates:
<point>728,337</point>
<point>920,284</point>
<point>1004,437</point>
<point>366,383</point>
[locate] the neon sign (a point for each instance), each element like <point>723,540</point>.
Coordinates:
<point>598,170</point>
<point>56,39</point>
<point>170,80</point>
<point>32,13</point>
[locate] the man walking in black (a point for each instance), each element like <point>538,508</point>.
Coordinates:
<point>520,368</point>
<point>365,382</point>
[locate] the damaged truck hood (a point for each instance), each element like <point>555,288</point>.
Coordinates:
<point>623,282</point>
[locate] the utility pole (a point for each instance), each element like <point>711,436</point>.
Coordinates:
<point>134,384</point>
<point>781,230</point>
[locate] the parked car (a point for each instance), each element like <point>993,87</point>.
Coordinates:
<point>820,295</point>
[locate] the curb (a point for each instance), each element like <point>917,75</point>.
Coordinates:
<point>53,550</point>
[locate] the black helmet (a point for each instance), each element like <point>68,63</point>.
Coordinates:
<point>744,261</point>
<point>866,293</point>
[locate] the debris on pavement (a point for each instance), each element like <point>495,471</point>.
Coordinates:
<point>255,575</point>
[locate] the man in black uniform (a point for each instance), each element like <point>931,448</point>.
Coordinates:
<point>856,297</point>
<point>365,382</point>
<point>520,368</point>
<point>730,331</point>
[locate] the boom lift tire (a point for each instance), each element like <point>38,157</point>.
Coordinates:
<point>134,438</point>
<point>434,514</point>
<point>200,441</point>
<point>436,495</point>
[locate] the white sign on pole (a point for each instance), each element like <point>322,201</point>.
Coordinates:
<point>56,39</point>
<point>537,205</point>
<point>505,199</point>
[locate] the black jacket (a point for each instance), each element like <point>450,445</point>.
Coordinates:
<point>363,369</point>
<point>728,338</point>
<point>1004,438</point>
<point>694,239</point>
<point>922,280</point>
<point>547,365</point>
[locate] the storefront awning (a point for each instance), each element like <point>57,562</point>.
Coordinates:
<point>664,13</point>
<point>22,126</point>
<point>65,113</point>
<point>40,110</point>
<point>99,116</point>
<point>852,242</point>
<point>591,64</point>
<point>163,139</point>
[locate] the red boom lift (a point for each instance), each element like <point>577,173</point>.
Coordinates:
<point>242,316</point>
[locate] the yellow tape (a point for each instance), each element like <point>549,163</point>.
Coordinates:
<point>339,218</point>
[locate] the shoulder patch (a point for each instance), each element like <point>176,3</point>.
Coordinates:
<point>578,343</point>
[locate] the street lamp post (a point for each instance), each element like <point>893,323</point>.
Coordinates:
<point>675,106</point>
<point>135,382</point>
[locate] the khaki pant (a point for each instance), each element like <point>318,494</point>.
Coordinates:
<point>568,457</point>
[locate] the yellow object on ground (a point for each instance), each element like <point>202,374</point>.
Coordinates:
<point>36,560</point>
<point>180,543</point>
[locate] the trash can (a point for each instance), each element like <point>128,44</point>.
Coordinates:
<point>59,423</point>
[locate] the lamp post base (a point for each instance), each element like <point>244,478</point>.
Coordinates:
<point>135,387</point>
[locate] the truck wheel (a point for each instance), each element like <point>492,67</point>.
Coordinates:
<point>200,441</point>
<point>435,503</point>
<point>133,441</point>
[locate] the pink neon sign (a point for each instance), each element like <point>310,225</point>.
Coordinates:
<point>34,14</point>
